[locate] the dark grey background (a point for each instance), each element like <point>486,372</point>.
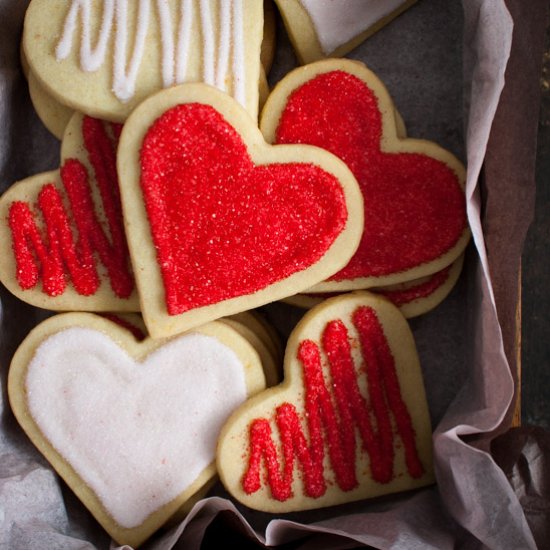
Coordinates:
<point>535,280</point>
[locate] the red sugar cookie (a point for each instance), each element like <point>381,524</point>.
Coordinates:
<point>415,211</point>
<point>217,220</point>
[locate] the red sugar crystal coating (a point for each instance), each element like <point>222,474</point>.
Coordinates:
<point>414,205</point>
<point>416,292</point>
<point>223,226</point>
<point>333,419</point>
<point>57,256</point>
<point>406,295</point>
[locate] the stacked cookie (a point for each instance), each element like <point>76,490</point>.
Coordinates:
<point>174,202</point>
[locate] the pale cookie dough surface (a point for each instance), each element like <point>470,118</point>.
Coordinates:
<point>51,112</point>
<point>289,485</point>
<point>420,296</point>
<point>268,360</point>
<point>257,322</point>
<point>194,100</point>
<point>103,59</point>
<point>131,426</point>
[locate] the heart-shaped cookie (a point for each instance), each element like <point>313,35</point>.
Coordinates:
<point>62,237</point>
<point>103,58</point>
<point>217,220</point>
<point>349,422</point>
<point>131,426</point>
<point>415,209</point>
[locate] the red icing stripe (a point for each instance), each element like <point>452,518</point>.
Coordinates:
<point>222,226</point>
<point>57,257</point>
<point>414,205</point>
<point>102,156</point>
<point>354,409</point>
<point>333,417</point>
<point>376,351</point>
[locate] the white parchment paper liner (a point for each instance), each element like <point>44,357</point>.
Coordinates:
<point>473,504</point>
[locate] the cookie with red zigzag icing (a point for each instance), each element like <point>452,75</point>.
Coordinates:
<point>350,420</point>
<point>325,28</point>
<point>131,426</point>
<point>415,207</point>
<point>62,235</point>
<point>217,220</point>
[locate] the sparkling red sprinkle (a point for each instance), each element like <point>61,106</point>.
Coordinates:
<point>416,292</point>
<point>402,296</point>
<point>223,226</point>
<point>414,205</point>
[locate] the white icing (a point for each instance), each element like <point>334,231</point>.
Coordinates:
<point>90,59</point>
<point>336,22</point>
<point>137,433</point>
<point>124,83</point>
<point>218,41</point>
<point>207,42</point>
<point>216,66</point>
<point>184,37</point>
<point>167,40</point>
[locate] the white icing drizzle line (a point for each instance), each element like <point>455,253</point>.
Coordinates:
<point>184,37</point>
<point>124,84</point>
<point>90,59</point>
<point>167,40</point>
<point>229,38</point>
<point>207,42</point>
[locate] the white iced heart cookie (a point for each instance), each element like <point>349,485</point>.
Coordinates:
<point>131,427</point>
<point>102,58</point>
